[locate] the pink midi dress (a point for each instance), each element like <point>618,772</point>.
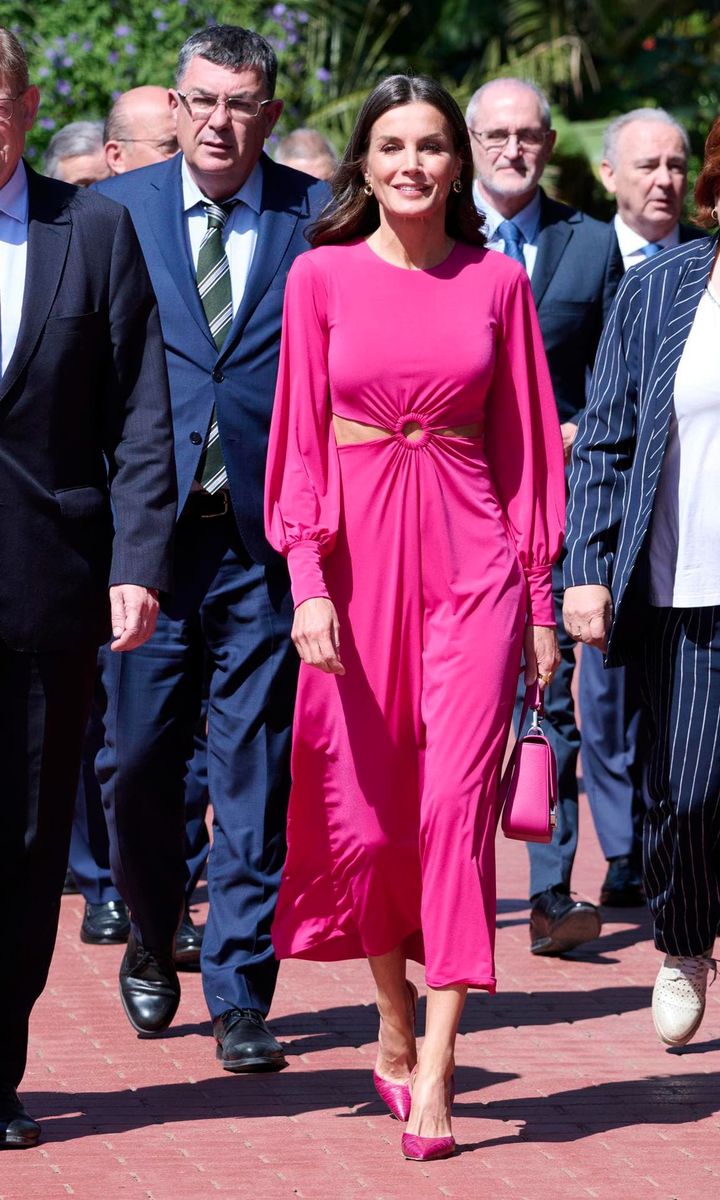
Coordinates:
<point>435,552</point>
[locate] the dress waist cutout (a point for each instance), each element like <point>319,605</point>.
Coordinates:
<point>409,427</point>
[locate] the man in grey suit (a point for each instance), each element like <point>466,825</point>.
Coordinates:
<point>572,263</point>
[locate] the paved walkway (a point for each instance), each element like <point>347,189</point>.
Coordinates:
<point>563,1091</point>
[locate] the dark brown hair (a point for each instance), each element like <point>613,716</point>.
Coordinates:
<point>352,214</point>
<point>708,181</point>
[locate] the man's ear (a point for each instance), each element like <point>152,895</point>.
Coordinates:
<point>30,104</point>
<point>607,175</point>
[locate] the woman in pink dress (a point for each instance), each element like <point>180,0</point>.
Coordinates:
<point>415,483</point>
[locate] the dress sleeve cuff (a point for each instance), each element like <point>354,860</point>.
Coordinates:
<point>306,574</point>
<point>540,595</point>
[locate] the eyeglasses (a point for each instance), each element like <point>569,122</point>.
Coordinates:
<point>165,147</point>
<point>200,105</point>
<point>6,105</point>
<point>497,139</point>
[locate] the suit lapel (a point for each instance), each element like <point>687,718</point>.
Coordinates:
<point>552,240</point>
<point>166,216</point>
<point>49,229</point>
<point>275,229</point>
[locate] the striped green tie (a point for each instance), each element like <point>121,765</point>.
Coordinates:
<point>213,281</point>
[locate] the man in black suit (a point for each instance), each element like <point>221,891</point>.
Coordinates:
<point>84,421</point>
<point>574,273</point>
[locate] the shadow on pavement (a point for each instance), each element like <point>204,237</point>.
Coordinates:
<point>565,1116</point>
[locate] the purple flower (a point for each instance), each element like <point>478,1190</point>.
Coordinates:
<point>279,10</point>
<point>50,53</point>
<point>323,75</point>
<point>62,87</point>
<point>87,45</point>
<point>43,72</point>
<point>68,60</point>
<point>292,39</point>
<point>129,48</point>
<point>280,45</point>
<point>303,18</point>
<point>158,13</point>
<point>46,123</point>
<point>122,30</point>
<point>162,26</point>
<point>72,37</point>
<point>112,57</point>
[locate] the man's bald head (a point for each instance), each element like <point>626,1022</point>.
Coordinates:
<point>140,129</point>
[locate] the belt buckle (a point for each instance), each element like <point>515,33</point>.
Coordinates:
<point>225,508</point>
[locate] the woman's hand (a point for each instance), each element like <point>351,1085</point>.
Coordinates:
<point>316,634</point>
<point>542,654</point>
<point>587,613</point>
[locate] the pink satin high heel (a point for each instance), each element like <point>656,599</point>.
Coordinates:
<point>424,1149</point>
<point>397,1095</point>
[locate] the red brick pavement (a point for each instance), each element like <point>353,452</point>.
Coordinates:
<point>563,1091</point>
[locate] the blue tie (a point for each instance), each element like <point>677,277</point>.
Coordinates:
<point>651,249</point>
<point>513,239</point>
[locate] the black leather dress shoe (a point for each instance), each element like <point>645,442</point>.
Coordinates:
<point>105,924</point>
<point>244,1042</point>
<point>559,923</point>
<point>149,988</point>
<point>623,887</point>
<point>188,944</point>
<point>18,1131</point>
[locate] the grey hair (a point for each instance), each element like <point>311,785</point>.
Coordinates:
<point>545,113</point>
<point>657,116</point>
<point>304,144</point>
<point>229,46</point>
<point>79,137</point>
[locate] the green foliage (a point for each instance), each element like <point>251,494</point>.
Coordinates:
<point>595,58</point>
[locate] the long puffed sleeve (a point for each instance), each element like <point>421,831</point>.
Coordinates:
<point>302,483</point>
<point>524,445</point>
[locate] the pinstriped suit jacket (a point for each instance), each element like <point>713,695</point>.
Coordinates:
<point>622,435</point>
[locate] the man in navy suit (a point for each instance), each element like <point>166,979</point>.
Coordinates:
<point>84,422</point>
<point>571,260</point>
<point>220,225</point>
<point>645,166</point>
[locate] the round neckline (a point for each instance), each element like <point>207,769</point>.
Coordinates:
<point>409,270</point>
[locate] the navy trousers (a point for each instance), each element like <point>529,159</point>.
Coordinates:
<point>609,703</point>
<point>551,864</point>
<point>238,614</point>
<point>90,853</point>
<point>44,705</point>
<point>681,845</point>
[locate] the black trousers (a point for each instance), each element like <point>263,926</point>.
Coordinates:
<point>681,845</point>
<point>44,705</point>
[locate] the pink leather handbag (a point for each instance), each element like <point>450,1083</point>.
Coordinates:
<point>528,788</point>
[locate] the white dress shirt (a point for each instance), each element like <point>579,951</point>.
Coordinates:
<point>685,531</point>
<point>13,260</point>
<point>240,231</point>
<point>631,243</point>
<point>527,221</point>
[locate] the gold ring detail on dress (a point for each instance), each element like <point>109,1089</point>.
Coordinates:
<point>545,679</point>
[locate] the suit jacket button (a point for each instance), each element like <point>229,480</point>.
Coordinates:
<point>196,438</point>
<point>218,375</point>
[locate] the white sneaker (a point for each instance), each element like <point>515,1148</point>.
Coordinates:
<point>678,1002</point>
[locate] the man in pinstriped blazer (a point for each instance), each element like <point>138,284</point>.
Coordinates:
<point>642,573</point>
<point>644,166</point>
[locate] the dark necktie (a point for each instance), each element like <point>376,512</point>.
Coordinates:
<point>514,241</point>
<point>650,249</point>
<point>213,281</point>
